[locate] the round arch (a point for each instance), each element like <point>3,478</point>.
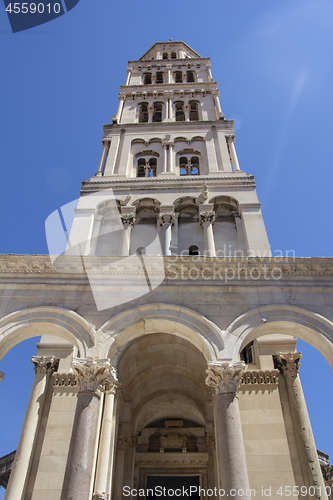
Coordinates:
<point>162,318</point>
<point>289,320</point>
<point>57,321</point>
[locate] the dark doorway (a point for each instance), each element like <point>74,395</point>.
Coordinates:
<point>156,484</point>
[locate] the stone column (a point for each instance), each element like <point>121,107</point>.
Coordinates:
<point>207,221</point>
<point>105,451</point>
<point>187,112</point>
<point>167,220</point>
<point>122,444</point>
<point>43,367</point>
<point>90,373</point>
<point>209,71</point>
<point>219,113</point>
<point>129,73</point>
<point>169,74</point>
<point>232,150</point>
<point>150,113</point>
<point>106,146</point>
<point>147,170</point>
<point>128,222</point>
<point>120,108</point>
<point>170,166</point>
<point>225,380</point>
<point>165,158</point>
<point>288,364</point>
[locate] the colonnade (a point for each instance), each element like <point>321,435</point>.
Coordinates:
<point>97,380</point>
<point>167,221</point>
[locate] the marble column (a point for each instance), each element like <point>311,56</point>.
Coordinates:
<point>167,221</point>
<point>128,222</point>
<point>232,150</point>
<point>218,105</point>
<point>288,364</point>
<point>43,367</point>
<point>107,437</point>
<point>170,166</point>
<point>207,221</point>
<point>165,158</point>
<point>129,73</point>
<point>187,112</point>
<point>106,146</point>
<point>122,444</point>
<point>90,373</point>
<point>225,379</point>
<point>150,113</point>
<point>209,71</point>
<point>120,108</point>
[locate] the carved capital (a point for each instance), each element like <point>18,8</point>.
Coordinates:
<point>210,441</point>
<point>100,496</point>
<point>90,373</point>
<point>230,138</point>
<point>206,217</point>
<point>225,378</point>
<point>111,384</point>
<point>289,362</point>
<point>1,376</point>
<point>123,442</point>
<point>128,220</point>
<point>106,142</point>
<point>168,218</point>
<point>44,364</point>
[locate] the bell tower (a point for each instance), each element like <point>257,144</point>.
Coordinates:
<point>169,157</point>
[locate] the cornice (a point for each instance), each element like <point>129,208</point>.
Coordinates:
<point>175,87</point>
<point>153,183</point>
<point>171,458</point>
<point>213,269</point>
<point>220,124</point>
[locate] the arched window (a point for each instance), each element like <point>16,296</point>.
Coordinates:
<point>173,55</point>
<point>190,76</point>
<point>157,115</point>
<point>178,77</point>
<point>195,165</point>
<point>180,115</point>
<point>147,167</point>
<point>183,166</point>
<point>147,78</point>
<point>143,112</point>
<point>193,250</point>
<point>153,167</point>
<point>194,112</point>
<point>159,77</point>
<point>189,165</point>
<point>165,55</point>
<point>141,167</point>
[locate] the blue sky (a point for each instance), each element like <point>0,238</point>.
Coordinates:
<point>273,62</point>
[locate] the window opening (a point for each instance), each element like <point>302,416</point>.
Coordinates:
<point>178,77</point>
<point>183,166</point>
<point>193,250</point>
<point>141,167</point>
<point>143,114</point>
<point>159,77</point>
<point>165,55</point>
<point>180,115</point>
<point>157,116</point>
<point>190,76</point>
<point>194,112</point>
<point>173,55</point>
<point>147,79</point>
<point>195,165</point>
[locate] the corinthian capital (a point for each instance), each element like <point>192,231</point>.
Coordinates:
<point>91,373</point>
<point>106,142</point>
<point>207,217</point>
<point>225,378</point>
<point>44,364</point>
<point>123,442</point>
<point>168,218</point>
<point>128,220</point>
<point>111,383</point>
<point>289,362</point>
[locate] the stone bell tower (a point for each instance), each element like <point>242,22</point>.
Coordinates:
<point>169,157</point>
<point>167,353</point>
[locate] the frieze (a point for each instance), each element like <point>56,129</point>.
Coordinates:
<point>64,380</point>
<point>207,268</point>
<point>171,458</point>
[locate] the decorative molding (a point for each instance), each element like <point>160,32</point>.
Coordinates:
<point>44,364</point>
<point>260,377</point>
<point>215,268</point>
<point>225,378</point>
<point>64,380</point>
<point>172,458</point>
<point>167,218</point>
<point>90,373</point>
